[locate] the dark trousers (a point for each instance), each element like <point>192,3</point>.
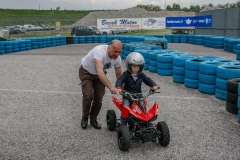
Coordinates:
<point>93,91</point>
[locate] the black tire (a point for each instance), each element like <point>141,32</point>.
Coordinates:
<point>231,108</point>
<point>164,139</point>
<point>111,120</point>
<point>123,138</point>
<point>232,98</point>
<point>232,85</point>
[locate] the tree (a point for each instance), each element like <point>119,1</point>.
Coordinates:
<point>168,7</point>
<point>176,6</point>
<point>210,5</point>
<point>204,6</point>
<point>197,7</point>
<point>58,8</point>
<point>150,7</point>
<point>192,7</point>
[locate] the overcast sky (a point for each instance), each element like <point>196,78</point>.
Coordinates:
<point>100,4</point>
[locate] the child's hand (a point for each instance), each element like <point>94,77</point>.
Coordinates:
<point>155,88</point>
<point>118,91</point>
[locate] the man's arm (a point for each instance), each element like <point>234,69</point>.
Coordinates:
<point>102,76</point>
<point>118,71</point>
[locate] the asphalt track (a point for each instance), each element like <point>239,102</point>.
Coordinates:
<point>40,112</point>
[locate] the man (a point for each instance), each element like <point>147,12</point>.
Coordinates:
<point>92,74</point>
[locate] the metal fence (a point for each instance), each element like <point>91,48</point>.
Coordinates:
<point>225,22</point>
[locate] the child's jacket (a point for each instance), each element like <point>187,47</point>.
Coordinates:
<point>131,85</point>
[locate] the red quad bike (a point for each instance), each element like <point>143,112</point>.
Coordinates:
<point>139,121</point>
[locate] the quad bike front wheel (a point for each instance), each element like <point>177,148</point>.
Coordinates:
<point>111,120</point>
<point>164,138</point>
<point>123,138</point>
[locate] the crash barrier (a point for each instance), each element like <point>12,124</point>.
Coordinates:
<point>31,43</point>
<point>43,42</point>
<point>208,74</point>
<point>230,44</point>
<point>238,100</point>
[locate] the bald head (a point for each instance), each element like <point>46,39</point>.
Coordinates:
<point>115,49</point>
<point>116,43</point>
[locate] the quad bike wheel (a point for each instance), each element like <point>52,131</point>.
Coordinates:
<point>164,139</point>
<point>111,120</point>
<point>123,138</point>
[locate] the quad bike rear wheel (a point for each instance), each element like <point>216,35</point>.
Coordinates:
<point>111,120</point>
<point>123,138</point>
<point>164,138</point>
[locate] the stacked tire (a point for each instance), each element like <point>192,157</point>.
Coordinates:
<point>224,73</point>
<point>184,38</point>
<point>191,79</point>
<point>8,47</point>
<point>69,40</point>
<point>165,63</point>
<point>199,39</point>
<point>238,51</point>
<point>207,76</point>
<point>169,38</point>
<point>232,95</point>
<point>2,50</point>
<point>22,45</point>
<point>238,103</point>
<point>179,67</point>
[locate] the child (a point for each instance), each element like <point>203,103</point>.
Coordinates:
<point>133,78</point>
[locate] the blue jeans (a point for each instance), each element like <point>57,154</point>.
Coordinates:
<point>128,103</point>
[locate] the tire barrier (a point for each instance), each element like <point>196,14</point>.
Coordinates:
<point>165,63</point>
<point>191,79</point>
<point>235,43</point>
<point>169,38</point>
<point>207,40</point>
<point>179,67</point>
<point>191,39</point>
<point>198,39</point>
<point>238,51</point>
<point>15,47</point>
<point>2,49</point>
<point>232,95</point>
<point>176,38</point>
<point>207,76</point>
<point>223,74</point>
<point>183,38</point>
<point>238,103</point>
<point>217,42</point>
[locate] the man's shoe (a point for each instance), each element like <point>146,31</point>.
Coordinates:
<point>95,124</point>
<point>84,122</point>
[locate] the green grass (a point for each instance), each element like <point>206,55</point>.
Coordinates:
<point>30,16</point>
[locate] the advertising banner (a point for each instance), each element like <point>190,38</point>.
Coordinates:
<point>180,21</point>
<point>196,21</point>
<point>203,21</point>
<point>119,23</point>
<point>154,23</point>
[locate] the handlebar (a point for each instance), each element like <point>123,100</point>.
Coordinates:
<point>133,95</point>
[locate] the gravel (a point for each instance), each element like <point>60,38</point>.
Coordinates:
<point>40,112</point>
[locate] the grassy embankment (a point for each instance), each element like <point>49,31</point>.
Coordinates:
<point>66,17</point>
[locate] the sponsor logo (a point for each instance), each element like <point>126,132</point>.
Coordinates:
<point>188,21</point>
<point>136,109</point>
